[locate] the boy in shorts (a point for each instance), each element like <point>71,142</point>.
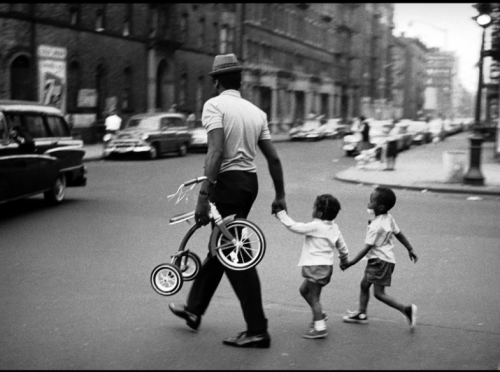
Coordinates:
<point>381,260</point>
<point>322,236</point>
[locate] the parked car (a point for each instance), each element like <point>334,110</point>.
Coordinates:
<point>309,131</point>
<point>379,130</point>
<point>334,128</point>
<point>421,132</point>
<point>52,162</point>
<point>199,138</point>
<point>151,134</point>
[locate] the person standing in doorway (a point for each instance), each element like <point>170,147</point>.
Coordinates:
<point>235,128</point>
<point>365,134</point>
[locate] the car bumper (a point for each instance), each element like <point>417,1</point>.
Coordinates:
<point>126,150</point>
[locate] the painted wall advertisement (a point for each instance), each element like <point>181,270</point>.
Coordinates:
<point>52,76</point>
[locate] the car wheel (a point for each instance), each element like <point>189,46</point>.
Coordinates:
<point>153,152</point>
<point>182,150</point>
<point>56,194</point>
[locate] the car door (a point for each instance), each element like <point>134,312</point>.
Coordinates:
<point>34,123</point>
<point>182,134</point>
<point>167,134</point>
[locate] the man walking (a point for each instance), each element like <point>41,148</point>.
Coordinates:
<point>235,129</point>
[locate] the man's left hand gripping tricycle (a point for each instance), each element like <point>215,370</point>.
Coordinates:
<point>238,244</point>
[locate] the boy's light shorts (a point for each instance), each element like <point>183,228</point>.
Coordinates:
<point>379,272</point>
<point>320,274</point>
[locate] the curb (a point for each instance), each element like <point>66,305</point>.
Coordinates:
<point>429,188</point>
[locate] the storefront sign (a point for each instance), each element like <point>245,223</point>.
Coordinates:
<point>87,98</point>
<point>52,76</point>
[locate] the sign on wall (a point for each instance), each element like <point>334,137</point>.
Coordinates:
<point>52,76</point>
<point>87,98</point>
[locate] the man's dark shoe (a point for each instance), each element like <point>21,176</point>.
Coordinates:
<point>262,341</point>
<point>193,321</point>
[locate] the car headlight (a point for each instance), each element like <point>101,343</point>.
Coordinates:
<point>107,137</point>
<point>145,136</point>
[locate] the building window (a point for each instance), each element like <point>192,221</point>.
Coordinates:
<point>223,39</point>
<point>184,25</point>
<point>202,32</point>
<point>215,39</point>
<point>183,91</point>
<point>20,82</point>
<point>127,91</point>
<point>99,20</point>
<point>126,27</point>
<point>73,15</point>
<point>154,21</point>
<point>74,76</point>
<point>164,23</point>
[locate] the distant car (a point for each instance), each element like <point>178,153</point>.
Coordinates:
<point>420,131</point>
<point>309,131</point>
<point>199,137</point>
<point>151,134</point>
<point>53,161</point>
<point>334,128</point>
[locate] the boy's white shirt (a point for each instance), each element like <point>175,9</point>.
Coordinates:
<point>379,234</point>
<point>321,237</point>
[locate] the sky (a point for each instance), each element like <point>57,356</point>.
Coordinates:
<point>448,26</point>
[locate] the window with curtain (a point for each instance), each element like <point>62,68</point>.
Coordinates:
<point>202,33</point>
<point>99,20</point>
<point>223,40</point>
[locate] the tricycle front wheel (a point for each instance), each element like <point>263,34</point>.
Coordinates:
<point>166,279</point>
<point>189,265</point>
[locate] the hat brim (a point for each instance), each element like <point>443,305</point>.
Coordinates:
<point>226,70</point>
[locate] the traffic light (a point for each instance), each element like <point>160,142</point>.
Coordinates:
<point>483,19</point>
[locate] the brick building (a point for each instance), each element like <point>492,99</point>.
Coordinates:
<point>138,57</point>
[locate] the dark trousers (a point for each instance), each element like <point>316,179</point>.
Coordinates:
<point>234,193</point>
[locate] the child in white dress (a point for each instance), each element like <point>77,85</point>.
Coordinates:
<point>322,237</point>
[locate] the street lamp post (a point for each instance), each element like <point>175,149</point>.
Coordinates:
<point>474,176</point>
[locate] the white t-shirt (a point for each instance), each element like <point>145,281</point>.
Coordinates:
<point>113,122</point>
<point>244,124</point>
<point>320,240</point>
<point>379,233</point>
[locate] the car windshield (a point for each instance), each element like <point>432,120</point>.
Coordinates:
<point>308,125</point>
<point>143,123</point>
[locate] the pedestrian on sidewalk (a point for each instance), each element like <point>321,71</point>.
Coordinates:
<point>381,260</point>
<point>364,129</point>
<point>113,122</point>
<point>321,237</point>
<point>235,128</point>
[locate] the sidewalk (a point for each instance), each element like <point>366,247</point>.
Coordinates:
<point>421,168</point>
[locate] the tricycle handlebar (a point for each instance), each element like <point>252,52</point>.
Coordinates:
<point>194,180</point>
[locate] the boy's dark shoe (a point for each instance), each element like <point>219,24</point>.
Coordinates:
<point>193,321</point>
<point>411,316</point>
<point>262,341</point>
<point>355,317</point>
<point>315,334</point>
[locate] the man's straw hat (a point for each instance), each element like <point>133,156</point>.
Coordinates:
<point>225,63</point>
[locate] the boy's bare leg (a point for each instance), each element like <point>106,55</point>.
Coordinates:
<point>364,295</point>
<point>379,292</point>
<point>311,292</point>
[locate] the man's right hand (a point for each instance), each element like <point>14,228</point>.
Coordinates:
<point>278,205</point>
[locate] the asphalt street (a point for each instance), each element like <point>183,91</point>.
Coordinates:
<point>74,279</point>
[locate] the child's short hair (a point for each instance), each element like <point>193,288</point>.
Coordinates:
<point>328,205</point>
<point>386,197</point>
